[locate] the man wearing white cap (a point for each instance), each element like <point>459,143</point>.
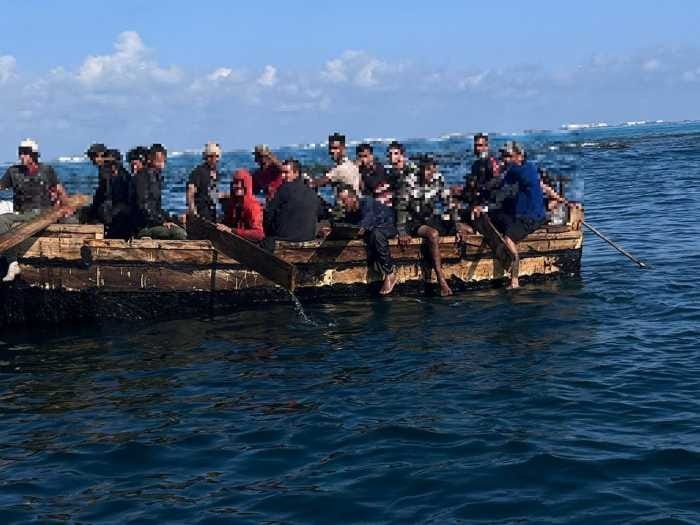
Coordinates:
<point>35,188</point>
<point>202,185</point>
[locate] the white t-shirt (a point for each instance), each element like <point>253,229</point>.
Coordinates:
<point>6,207</point>
<point>345,173</point>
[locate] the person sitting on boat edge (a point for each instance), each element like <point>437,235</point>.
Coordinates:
<point>268,177</point>
<point>402,177</point>
<point>202,185</point>
<point>516,209</point>
<point>377,226</point>
<point>150,220</point>
<point>243,214</point>
<point>431,215</point>
<point>111,205</point>
<point>35,188</point>
<point>292,215</point>
<point>483,178</point>
<point>372,173</point>
<point>345,171</point>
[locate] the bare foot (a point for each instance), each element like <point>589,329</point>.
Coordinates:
<point>389,283</point>
<point>445,289</point>
<point>514,284</point>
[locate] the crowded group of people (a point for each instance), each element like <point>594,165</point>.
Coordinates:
<point>504,198</point>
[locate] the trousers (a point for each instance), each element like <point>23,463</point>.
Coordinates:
<point>378,253</point>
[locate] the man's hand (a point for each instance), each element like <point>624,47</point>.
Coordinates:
<point>223,228</point>
<point>476,212</point>
<point>169,225</point>
<point>324,231</point>
<point>404,239</point>
<point>361,232</point>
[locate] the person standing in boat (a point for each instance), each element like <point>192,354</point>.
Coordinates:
<point>516,209</point>
<point>377,226</point>
<point>292,215</point>
<point>150,220</point>
<point>243,214</point>
<point>202,185</point>
<point>268,177</point>
<point>35,188</point>
<point>403,177</point>
<point>431,215</point>
<point>372,173</point>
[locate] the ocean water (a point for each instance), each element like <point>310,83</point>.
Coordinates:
<point>565,402</point>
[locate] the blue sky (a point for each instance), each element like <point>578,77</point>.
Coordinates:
<point>289,72</point>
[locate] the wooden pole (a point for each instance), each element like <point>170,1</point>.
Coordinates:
<point>17,235</point>
<point>245,252</point>
<point>615,245</point>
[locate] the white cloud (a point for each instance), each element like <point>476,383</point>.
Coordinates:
<point>8,65</point>
<point>359,69</point>
<point>130,63</point>
<point>268,77</point>
<point>651,65</point>
<point>225,74</point>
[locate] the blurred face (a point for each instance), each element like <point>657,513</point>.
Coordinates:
<point>212,160</point>
<point>365,158</point>
<point>349,200</point>
<point>429,172</point>
<point>136,166</point>
<point>262,160</point>
<point>481,146</point>
<point>511,157</point>
<point>336,150</point>
<point>158,160</point>
<point>238,188</point>
<point>288,174</point>
<point>396,157</point>
<point>98,158</point>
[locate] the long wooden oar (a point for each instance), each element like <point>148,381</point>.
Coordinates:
<point>245,252</point>
<point>18,235</point>
<point>615,245</point>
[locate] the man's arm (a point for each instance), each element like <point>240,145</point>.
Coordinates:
<point>191,192</point>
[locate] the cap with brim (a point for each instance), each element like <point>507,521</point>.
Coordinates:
<point>96,149</point>
<point>29,145</point>
<point>212,148</point>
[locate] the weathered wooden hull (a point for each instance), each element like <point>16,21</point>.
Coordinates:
<point>72,274</point>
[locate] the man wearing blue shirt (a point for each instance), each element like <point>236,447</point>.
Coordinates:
<point>516,209</point>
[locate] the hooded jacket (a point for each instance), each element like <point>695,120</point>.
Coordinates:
<point>245,217</point>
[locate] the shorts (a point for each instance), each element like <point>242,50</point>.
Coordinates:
<point>515,228</point>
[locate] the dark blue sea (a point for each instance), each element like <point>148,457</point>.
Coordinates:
<point>566,402</point>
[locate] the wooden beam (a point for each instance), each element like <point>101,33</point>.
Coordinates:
<point>48,217</point>
<point>245,252</point>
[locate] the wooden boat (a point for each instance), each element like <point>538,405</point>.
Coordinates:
<point>71,272</point>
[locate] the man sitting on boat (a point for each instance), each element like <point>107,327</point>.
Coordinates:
<point>377,226</point>
<point>402,176</point>
<point>35,188</point>
<point>150,220</point>
<point>371,171</point>
<point>345,172</point>
<point>111,205</point>
<point>516,209</point>
<point>292,215</point>
<point>202,184</point>
<point>243,214</point>
<point>431,214</point>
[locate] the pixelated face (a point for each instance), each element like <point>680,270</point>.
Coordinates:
<point>395,157</point>
<point>212,160</point>
<point>336,150</point>
<point>98,158</point>
<point>365,158</point>
<point>288,174</point>
<point>349,200</point>
<point>481,145</point>
<point>158,160</point>
<point>25,156</point>
<point>429,172</point>
<point>136,165</point>
<point>238,188</point>
<point>262,160</point>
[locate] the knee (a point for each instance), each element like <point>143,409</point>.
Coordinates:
<point>433,235</point>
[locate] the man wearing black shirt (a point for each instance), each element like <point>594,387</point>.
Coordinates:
<point>202,186</point>
<point>35,188</point>
<point>371,171</point>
